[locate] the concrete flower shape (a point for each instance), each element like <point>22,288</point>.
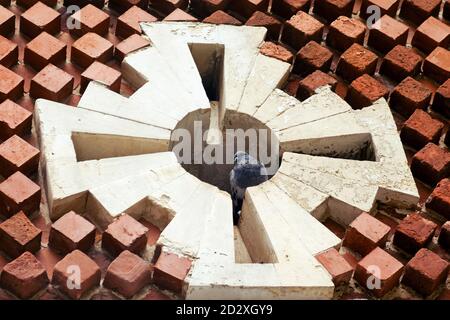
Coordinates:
<point>114,154</point>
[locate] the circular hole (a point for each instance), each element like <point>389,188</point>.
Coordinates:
<point>212,162</point>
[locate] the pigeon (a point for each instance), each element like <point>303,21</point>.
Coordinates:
<point>247,172</point>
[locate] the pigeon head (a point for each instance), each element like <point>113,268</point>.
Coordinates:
<point>241,158</point>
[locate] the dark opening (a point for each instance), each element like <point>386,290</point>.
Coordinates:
<point>358,147</point>
<point>209,61</point>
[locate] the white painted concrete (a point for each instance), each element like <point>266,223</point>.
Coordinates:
<point>267,74</point>
<point>216,276</point>
<point>110,155</point>
<point>277,103</point>
<point>148,111</point>
<point>67,135</point>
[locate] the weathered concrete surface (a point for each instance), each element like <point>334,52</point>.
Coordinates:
<point>368,135</point>
<point>98,98</point>
<point>216,275</point>
<point>81,149</point>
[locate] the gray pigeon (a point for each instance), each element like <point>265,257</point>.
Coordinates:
<point>247,172</point>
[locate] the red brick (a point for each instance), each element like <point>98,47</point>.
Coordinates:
<point>344,31</point>
<point>14,120</point>
<point>276,51</point>
<point>89,48</point>
<point>417,11</point>
<point>312,82</point>
<point>387,219</point>
<point>221,17</point>
<point>101,73</point>
<point>439,200</point>
<point>81,3</point>
<point>292,85</point>
<point>364,91</point>
<point>52,83</point>
<point>421,129</point>
<point>45,49</point>
<point>339,269</point>
<point>204,8</point>
<point>18,155</point>
<point>431,164</point>
<point>72,232</point>
<point>7,22</point>
<point>389,271</point>
<point>387,33</point>
<point>128,23</point>
<point>414,233</point>
<point>64,272</point>
<point>29,3</point>
<point>425,272</point>
<point>11,84</point>
<point>331,9</point>
<point>18,193</point>
<point>301,29</point>
<point>180,15</point>
<point>90,19</point>
<point>400,63</point>
<point>355,62</point>
<point>3,261</point>
<point>287,8</point>
<point>430,34</point>
<point>444,236</point>
<point>9,52</point>
<point>168,6</point>
<point>409,96</point>
<point>170,271</point>
<point>124,233</point>
<point>441,101</point>
<point>366,233</point>
<point>437,65</point>
<point>153,233</point>
<point>130,44</point>
<point>40,18</point>
<point>248,7</point>
<point>24,277</point>
<point>261,19</point>
<point>388,7</point>
<point>127,274</point>
<point>312,57</point>
<point>18,235</point>
<point>121,6</point>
